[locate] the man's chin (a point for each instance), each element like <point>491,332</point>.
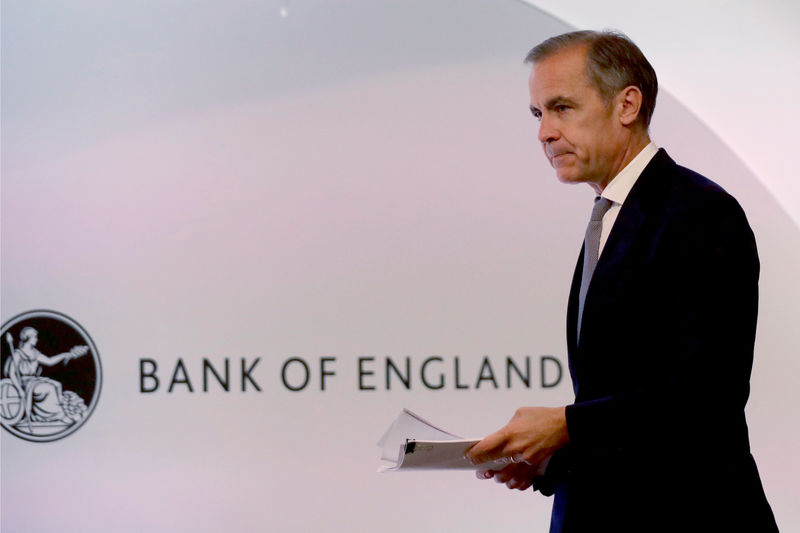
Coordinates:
<point>568,177</point>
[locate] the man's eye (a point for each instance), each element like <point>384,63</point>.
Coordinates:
<point>561,108</point>
<point>536,114</point>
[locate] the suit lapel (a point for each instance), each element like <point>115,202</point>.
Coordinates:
<point>572,316</point>
<point>610,268</point>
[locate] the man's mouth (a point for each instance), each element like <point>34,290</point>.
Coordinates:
<point>558,157</point>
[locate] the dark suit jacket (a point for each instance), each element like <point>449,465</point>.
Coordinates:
<point>661,372</point>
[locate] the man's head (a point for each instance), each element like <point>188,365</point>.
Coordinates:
<point>613,62</point>
<point>594,94</point>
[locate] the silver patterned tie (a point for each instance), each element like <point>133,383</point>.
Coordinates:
<point>591,250</point>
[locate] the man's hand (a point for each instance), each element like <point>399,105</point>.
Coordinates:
<point>529,439</point>
<point>515,476</point>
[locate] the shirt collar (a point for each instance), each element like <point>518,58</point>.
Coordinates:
<point>619,187</point>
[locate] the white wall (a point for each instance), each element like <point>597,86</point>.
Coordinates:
<point>205,180</point>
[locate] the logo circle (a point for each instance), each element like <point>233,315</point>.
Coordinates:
<point>50,376</point>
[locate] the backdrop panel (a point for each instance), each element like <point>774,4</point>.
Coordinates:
<point>278,231</point>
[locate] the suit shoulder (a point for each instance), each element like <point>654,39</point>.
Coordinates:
<point>685,206</point>
<point>694,186</point>
<point>689,192</point>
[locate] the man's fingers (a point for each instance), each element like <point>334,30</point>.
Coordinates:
<point>506,474</point>
<point>516,476</point>
<point>484,474</point>
<point>522,485</point>
<point>489,449</point>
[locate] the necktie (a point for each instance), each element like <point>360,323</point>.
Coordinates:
<point>591,250</point>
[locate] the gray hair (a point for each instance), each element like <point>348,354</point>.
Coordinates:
<point>613,62</point>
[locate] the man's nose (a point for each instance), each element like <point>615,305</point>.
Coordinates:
<point>547,131</point>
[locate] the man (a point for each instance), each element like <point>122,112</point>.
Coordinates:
<point>660,324</point>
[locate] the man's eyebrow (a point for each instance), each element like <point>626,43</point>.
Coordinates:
<point>559,100</point>
<point>553,103</point>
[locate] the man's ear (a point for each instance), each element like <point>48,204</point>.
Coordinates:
<point>628,104</point>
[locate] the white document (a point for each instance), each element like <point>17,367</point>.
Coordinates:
<point>411,442</point>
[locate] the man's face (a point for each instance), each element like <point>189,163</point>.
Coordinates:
<point>578,131</point>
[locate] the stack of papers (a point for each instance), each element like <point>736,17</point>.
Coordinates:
<point>413,443</point>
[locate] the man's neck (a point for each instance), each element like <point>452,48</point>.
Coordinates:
<point>631,149</point>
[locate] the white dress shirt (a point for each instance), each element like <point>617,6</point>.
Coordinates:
<point>619,187</point>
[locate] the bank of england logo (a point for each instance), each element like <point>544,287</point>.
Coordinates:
<point>50,376</point>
